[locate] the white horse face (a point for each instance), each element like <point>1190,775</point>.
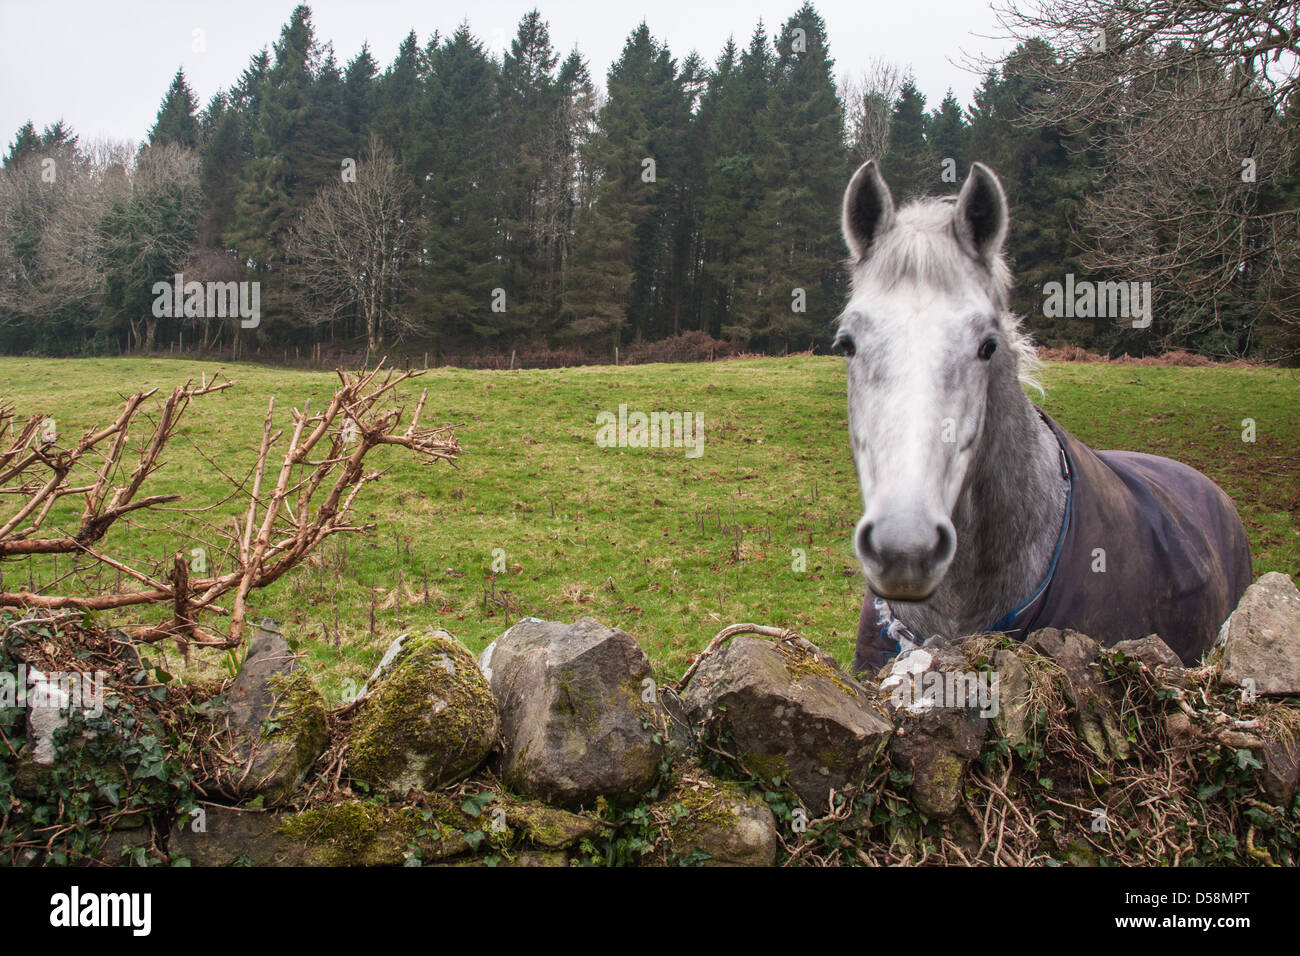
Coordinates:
<point>922,340</point>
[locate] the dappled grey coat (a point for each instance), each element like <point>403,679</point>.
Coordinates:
<point>1175,555</point>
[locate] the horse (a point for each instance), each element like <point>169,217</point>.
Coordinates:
<point>980,512</point>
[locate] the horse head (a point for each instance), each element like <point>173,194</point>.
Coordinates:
<point>928,345</point>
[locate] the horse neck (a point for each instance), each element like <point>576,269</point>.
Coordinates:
<point>1007,520</point>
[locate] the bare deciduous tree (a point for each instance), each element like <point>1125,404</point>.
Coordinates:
<point>868,100</point>
<point>1181,101</point>
<point>213,265</point>
<point>1174,205</point>
<point>57,254</point>
<point>1257,41</point>
<point>51,209</point>
<point>351,242</point>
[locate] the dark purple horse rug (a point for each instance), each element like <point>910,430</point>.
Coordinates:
<point>1148,546</point>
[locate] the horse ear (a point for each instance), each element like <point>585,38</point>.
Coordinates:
<point>868,209</point>
<point>981,217</point>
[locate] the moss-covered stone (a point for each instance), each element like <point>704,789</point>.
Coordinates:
<point>126,834</point>
<point>357,833</point>
<point>937,785</point>
<point>802,662</point>
<point>278,721</point>
<point>225,836</point>
<point>934,745</point>
<point>786,710</point>
<point>717,824</point>
<point>1094,716</point>
<point>295,734</point>
<point>767,767</point>
<point>550,827</point>
<point>1014,697</point>
<point>430,722</point>
<point>1262,638</point>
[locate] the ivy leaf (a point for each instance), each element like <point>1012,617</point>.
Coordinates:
<point>1210,789</point>
<point>1247,759</point>
<point>475,804</point>
<point>1261,818</point>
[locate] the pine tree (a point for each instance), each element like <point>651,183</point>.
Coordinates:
<point>910,165</point>
<point>177,122</point>
<point>740,157</point>
<point>573,124</point>
<point>719,123</point>
<point>398,101</point>
<point>326,137</point>
<point>615,287</point>
<point>682,230</point>
<point>26,143</point>
<point>223,162</point>
<point>58,136</point>
<point>650,108</point>
<point>285,169</point>
<point>460,263</point>
<point>359,92</point>
<point>1045,177</point>
<point>529,98</point>
<point>802,285</point>
<point>948,137</point>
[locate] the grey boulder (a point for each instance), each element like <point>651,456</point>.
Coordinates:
<point>1262,638</point>
<point>277,719</point>
<point>786,710</point>
<point>580,716</point>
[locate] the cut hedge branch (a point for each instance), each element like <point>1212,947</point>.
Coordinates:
<point>312,488</point>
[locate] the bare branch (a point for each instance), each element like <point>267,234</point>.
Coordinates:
<point>310,498</point>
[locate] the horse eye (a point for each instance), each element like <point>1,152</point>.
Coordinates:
<point>845,345</point>
<point>987,348</point>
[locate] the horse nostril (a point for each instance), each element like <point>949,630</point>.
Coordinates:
<point>865,550</point>
<point>946,545</point>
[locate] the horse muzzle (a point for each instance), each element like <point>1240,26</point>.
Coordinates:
<point>904,554</point>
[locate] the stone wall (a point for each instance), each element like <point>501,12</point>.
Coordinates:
<point>560,746</point>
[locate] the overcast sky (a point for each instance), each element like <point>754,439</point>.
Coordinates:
<point>104,67</point>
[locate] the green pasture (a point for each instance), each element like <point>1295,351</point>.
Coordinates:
<point>667,547</point>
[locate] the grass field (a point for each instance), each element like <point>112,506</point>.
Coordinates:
<point>669,548</point>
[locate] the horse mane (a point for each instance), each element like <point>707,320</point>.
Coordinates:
<point>922,248</point>
<point>1028,364</point>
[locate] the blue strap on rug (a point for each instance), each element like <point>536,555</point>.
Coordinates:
<point>1004,623</point>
